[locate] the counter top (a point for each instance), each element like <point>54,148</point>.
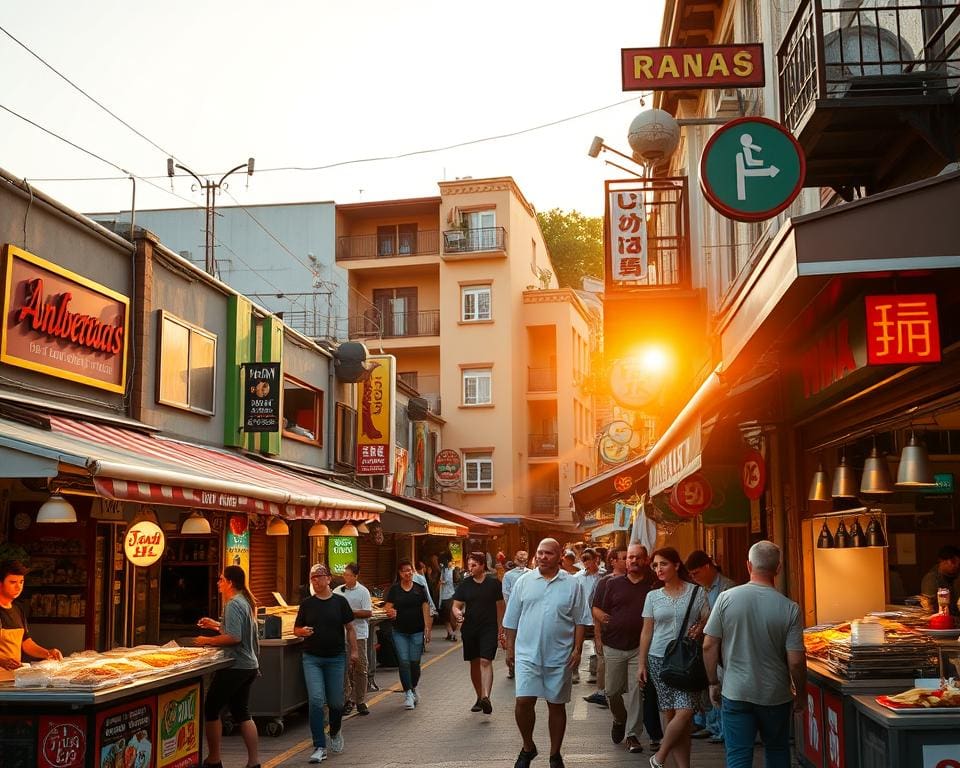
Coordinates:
<point>927,718</point>
<point>77,698</point>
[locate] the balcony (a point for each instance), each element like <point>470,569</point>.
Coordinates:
<point>545,505</point>
<point>540,446</point>
<point>394,325</point>
<point>868,92</point>
<point>541,379</point>
<point>474,240</point>
<point>386,247</point>
<point>427,386</point>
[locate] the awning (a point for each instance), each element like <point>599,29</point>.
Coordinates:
<point>476,525</point>
<point>402,517</point>
<point>623,480</point>
<point>603,530</point>
<point>538,524</point>
<point>128,465</point>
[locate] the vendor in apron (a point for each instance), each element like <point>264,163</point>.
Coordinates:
<point>14,635</point>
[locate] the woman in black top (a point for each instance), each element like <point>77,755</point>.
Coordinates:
<point>406,604</point>
<point>482,597</point>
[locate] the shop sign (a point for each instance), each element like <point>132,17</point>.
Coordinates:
<point>447,468</point>
<point>941,756</point>
<point>125,734</point>
<point>612,452</point>
<point>261,396</point>
<point>61,324</point>
<point>833,356</point>
<point>680,460</point>
<point>419,454</point>
<point>622,483</point>
<point>399,479</point>
<point>62,742</point>
<point>691,495</point>
<point>902,329</point>
<point>675,68</point>
<point>627,235</point>
<point>456,554</point>
<point>341,551</point>
<point>942,485</point>
<point>632,385</point>
<point>237,549</point>
<point>376,417</point>
<point>833,714</point>
<point>143,543</point>
<point>813,726</point>
<point>753,475</point>
<point>178,726</point>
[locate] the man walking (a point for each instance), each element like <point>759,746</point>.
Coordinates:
<point>618,610</point>
<point>757,633</point>
<point>355,681</point>
<point>509,579</point>
<point>590,576</point>
<point>545,623</point>
<point>616,566</point>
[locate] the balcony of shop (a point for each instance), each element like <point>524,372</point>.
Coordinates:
<point>427,386</point>
<point>474,240</point>
<point>543,445</point>
<point>871,92</point>
<point>389,242</point>
<point>373,324</point>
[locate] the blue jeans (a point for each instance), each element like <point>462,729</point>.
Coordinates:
<point>324,678</point>
<point>742,720</point>
<point>714,722</point>
<point>409,649</point>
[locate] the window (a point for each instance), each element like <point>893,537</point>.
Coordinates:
<point>302,411</point>
<point>397,239</point>
<point>475,303</point>
<point>187,365</point>
<point>478,472</point>
<point>482,228</point>
<point>477,386</point>
<point>346,435</point>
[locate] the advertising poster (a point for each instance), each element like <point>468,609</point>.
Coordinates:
<point>456,554</point>
<point>178,727</point>
<point>376,417</point>
<point>125,735</point>
<point>447,468</point>
<point>419,454</point>
<point>261,397</point>
<point>341,551</point>
<point>236,550</point>
<point>813,726</point>
<point>833,715</point>
<point>62,742</point>
<point>19,739</point>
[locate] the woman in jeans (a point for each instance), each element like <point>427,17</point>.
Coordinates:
<point>407,606</point>
<point>323,621</point>
<point>663,613</point>
<point>231,687</point>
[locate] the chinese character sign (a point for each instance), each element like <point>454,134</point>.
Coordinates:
<point>376,417</point>
<point>902,329</point>
<point>627,233</point>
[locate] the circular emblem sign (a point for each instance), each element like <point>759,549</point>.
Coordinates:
<point>622,483</point>
<point>446,468</point>
<point>631,385</point>
<point>143,543</point>
<point>613,452</point>
<point>753,475</point>
<point>692,495</point>
<point>63,746</point>
<point>751,169</point>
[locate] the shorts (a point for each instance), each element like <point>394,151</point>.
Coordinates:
<point>550,683</point>
<point>479,643</point>
<point>230,688</point>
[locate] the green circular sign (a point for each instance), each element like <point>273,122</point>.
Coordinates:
<point>751,169</point>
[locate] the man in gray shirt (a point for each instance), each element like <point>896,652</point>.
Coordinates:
<point>759,636</point>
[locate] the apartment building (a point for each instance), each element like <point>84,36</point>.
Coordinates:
<point>459,288</point>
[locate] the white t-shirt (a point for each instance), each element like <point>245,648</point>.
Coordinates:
<point>668,612</point>
<point>359,599</point>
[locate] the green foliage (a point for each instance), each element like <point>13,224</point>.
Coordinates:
<point>575,243</point>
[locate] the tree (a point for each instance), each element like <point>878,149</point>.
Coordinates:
<point>575,243</point>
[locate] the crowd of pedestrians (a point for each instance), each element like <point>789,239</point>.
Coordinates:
<point>625,609</point>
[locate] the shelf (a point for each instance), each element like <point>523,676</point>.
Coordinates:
<point>53,586</point>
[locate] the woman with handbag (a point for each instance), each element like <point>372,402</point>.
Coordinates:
<point>670,653</point>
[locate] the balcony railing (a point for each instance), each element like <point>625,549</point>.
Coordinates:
<point>312,324</point>
<point>388,246</point>
<point>427,386</point>
<point>392,325</point>
<point>543,445</point>
<point>541,379</point>
<point>545,505</point>
<point>470,240</point>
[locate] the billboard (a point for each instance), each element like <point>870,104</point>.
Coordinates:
<point>376,417</point>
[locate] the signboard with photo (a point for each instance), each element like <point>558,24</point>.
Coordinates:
<point>262,387</point>
<point>178,728</point>
<point>237,550</point>
<point>125,734</point>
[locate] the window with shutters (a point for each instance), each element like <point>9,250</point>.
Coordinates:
<point>477,386</point>
<point>476,303</point>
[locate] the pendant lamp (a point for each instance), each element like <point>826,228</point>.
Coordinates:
<point>876,473</point>
<point>349,529</point>
<point>841,539</point>
<point>56,509</point>
<point>196,524</point>
<point>914,470</point>
<point>819,485</point>
<point>826,538</point>
<point>277,527</point>
<point>844,480</point>
<point>875,536</point>
<point>318,529</point>
<point>363,528</point>
<point>857,536</point>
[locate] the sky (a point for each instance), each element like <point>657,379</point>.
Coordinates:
<point>317,83</point>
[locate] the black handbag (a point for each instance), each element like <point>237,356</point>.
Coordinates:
<point>683,660</point>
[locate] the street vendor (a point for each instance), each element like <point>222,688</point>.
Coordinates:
<point>946,573</point>
<point>14,634</point>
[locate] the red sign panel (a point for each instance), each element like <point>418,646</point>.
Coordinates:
<point>672,69</point>
<point>902,329</point>
<point>753,475</point>
<point>61,324</point>
<point>691,495</point>
<point>813,726</point>
<point>62,741</point>
<point>447,468</point>
<point>833,716</point>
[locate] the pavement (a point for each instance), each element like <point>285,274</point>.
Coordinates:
<point>442,733</point>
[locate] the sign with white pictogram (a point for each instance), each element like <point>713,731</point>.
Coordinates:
<point>753,475</point>
<point>691,495</point>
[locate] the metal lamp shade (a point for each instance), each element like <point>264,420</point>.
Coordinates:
<point>914,469</point>
<point>819,485</point>
<point>318,529</point>
<point>875,535</point>
<point>825,541</point>
<point>349,529</point>
<point>277,527</point>
<point>844,481</point>
<point>841,539</point>
<point>56,509</point>
<point>876,474</point>
<point>363,528</point>
<point>857,536</point>
<point>196,523</point>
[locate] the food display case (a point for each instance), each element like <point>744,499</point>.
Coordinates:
<point>905,730</point>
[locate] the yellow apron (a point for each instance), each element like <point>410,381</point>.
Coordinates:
<point>10,642</point>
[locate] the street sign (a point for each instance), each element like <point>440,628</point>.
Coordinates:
<point>751,169</point>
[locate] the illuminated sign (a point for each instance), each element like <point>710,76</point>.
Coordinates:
<point>376,417</point>
<point>902,329</point>
<point>143,543</point>
<point>627,233</point>
<point>672,69</point>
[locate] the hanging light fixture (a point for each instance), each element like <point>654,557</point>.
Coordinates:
<point>826,538</point>
<point>196,523</point>
<point>875,535</point>
<point>876,473</point>
<point>56,509</point>
<point>349,529</point>
<point>914,470</point>
<point>844,480</point>
<point>278,527</point>
<point>363,528</point>
<point>318,529</point>
<point>857,536</point>
<point>820,485</point>
<point>841,539</point>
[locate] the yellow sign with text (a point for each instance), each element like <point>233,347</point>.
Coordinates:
<point>376,414</point>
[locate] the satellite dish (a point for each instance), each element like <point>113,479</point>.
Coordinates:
<point>350,362</point>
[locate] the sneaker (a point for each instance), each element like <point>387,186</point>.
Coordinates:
<point>633,745</point>
<point>597,698</point>
<point>486,706</point>
<point>347,708</point>
<point>575,679</point>
<point>525,758</point>
<point>715,739</point>
<point>556,761</point>
<point>449,637</point>
<point>362,709</point>
<point>703,733</point>
<point>654,763</point>
<point>319,755</point>
<point>477,706</point>
<point>408,701</point>
<point>336,743</point>
<point>416,696</point>
<point>617,732</point>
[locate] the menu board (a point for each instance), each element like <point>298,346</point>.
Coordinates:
<point>62,741</point>
<point>18,737</point>
<point>125,735</point>
<point>178,727</point>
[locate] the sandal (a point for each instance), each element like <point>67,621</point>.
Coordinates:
<point>654,763</point>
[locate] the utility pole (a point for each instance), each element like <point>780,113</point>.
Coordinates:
<point>211,188</point>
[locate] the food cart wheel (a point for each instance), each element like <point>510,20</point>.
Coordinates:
<point>227,724</point>
<point>274,727</point>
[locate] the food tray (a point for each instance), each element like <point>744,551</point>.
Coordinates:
<point>906,709</point>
